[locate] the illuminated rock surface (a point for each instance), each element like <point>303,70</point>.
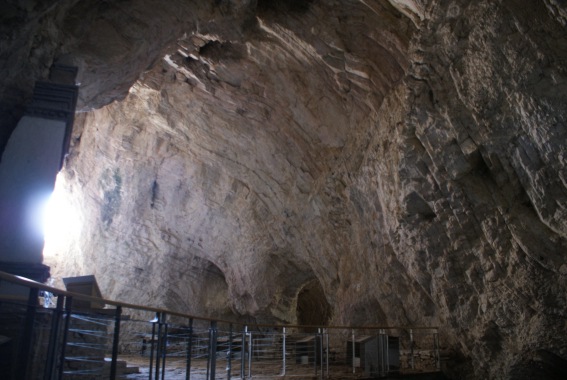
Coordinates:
<point>407,160</point>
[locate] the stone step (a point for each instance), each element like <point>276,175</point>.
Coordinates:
<point>122,367</point>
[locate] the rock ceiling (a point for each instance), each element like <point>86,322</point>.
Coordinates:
<point>403,160</point>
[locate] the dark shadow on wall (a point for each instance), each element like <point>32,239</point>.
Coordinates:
<point>298,6</point>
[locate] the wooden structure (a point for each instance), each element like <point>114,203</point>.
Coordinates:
<point>86,285</point>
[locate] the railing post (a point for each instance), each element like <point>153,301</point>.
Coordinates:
<point>314,355</point>
<point>164,346</point>
<point>189,348</point>
<point>328,350</point>
<point>153,322</point>
<point>250,344</point>
<point>158,346</point>
<point>27,336</point>
<point>68,306</point>
<point>412,363</point>
<point>243,353</point>
<point>387,350</point>
<point>353,352</point>
<point>115,341</point>
<point>320,340</point>
<point>212,351</point>
<point>229,354</point>
<point>436,347</point>
<point>53,338</point>
<point>208,356</point>
<point>383,352</point>
<point>283,350</point>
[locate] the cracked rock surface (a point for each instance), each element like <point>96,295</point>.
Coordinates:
<point>404,160</point>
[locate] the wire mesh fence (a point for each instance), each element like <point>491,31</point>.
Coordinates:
<point>122,341</point>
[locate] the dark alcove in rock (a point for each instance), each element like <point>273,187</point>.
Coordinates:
<point>312,306</point>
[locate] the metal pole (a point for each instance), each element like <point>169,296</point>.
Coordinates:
<point>314,354</point>
<point>158,346</point>
<point>115,340</point>
<point>412,364</point>
<point>328,349</point>
<point>283,351</point>
<point>164,348</point>
<point>353,354</point>
<point>152,345</point>
<point>27,336</point>
<point>53,338</point>
<point>436,346</point>
<point>320,340</point>
<point>229,353</point>
<point>382,353</point>
<point>387,348</point>
<point>189,348</point>
<point>250,343</point>
<point>68,306</point>
<point>213,348</point>
<point>208,356</point>
<point>243,353</point>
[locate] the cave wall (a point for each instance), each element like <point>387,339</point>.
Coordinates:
<point>408,156</point>
<point>475,212</point>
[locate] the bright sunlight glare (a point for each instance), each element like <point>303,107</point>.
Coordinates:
<point>61,221</point>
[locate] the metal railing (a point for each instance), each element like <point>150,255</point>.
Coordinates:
<point>60,341</point>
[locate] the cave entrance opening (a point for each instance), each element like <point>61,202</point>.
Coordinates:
<point>60,218</point>
<point>312,306</point>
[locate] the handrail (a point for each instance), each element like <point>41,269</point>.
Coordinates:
<point>33,284</point>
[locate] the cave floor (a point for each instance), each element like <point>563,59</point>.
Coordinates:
<point>175,370</point>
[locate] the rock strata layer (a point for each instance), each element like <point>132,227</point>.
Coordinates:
<point>398,162</point>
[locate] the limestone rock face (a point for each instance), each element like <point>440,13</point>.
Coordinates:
<point>401,162</point>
